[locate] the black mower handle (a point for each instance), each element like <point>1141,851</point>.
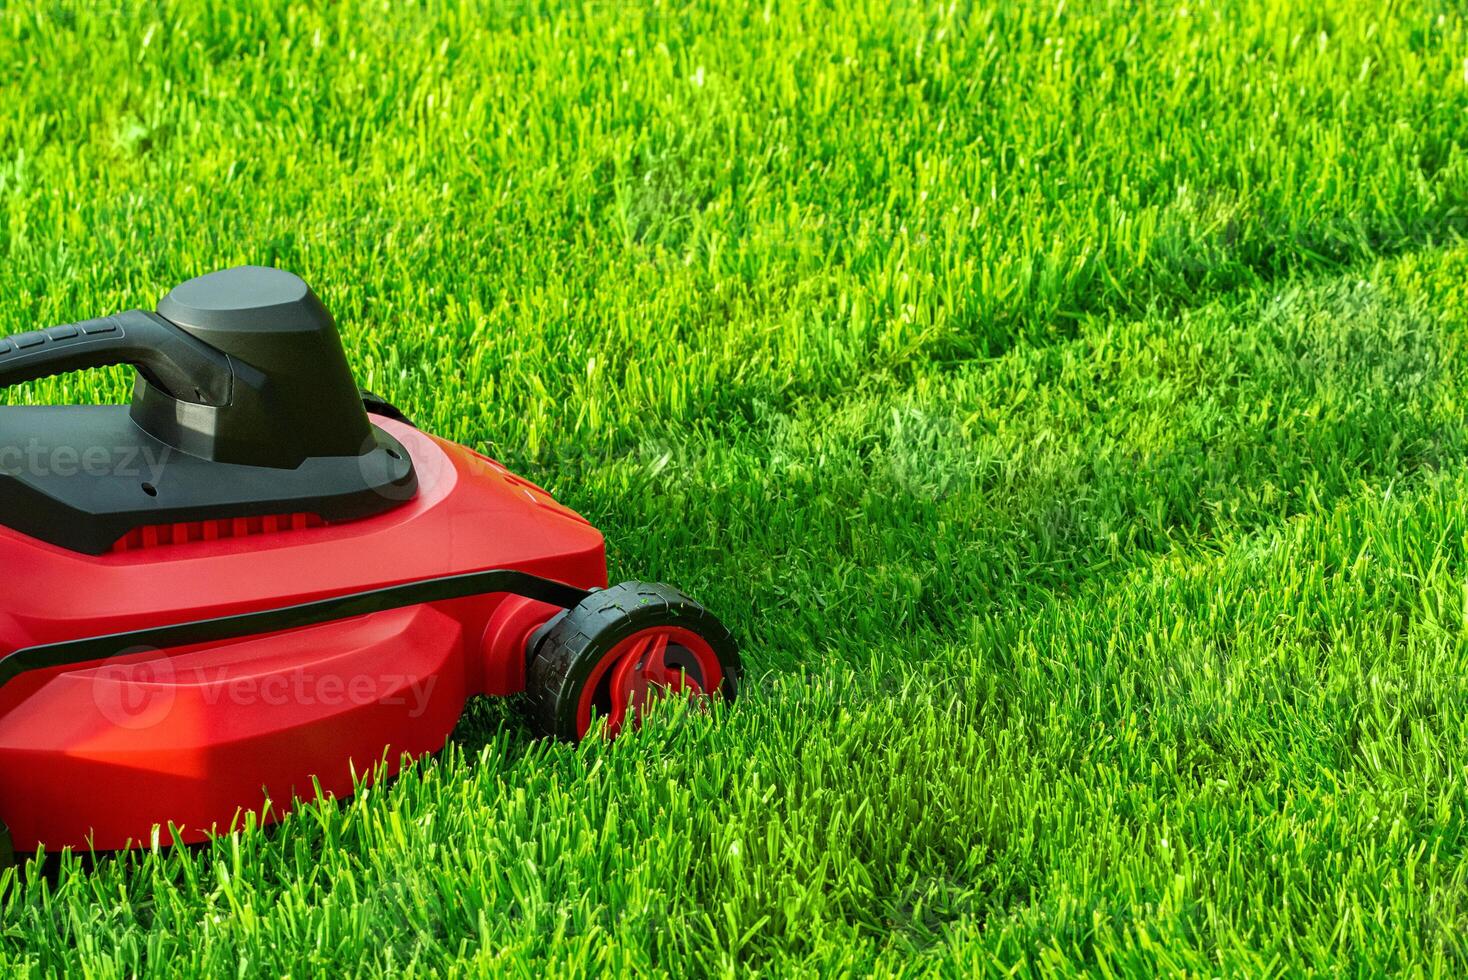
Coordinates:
<point>241,366</point>
<point>185,367</point>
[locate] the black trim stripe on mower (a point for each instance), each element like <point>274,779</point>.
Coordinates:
<point>70,652</point>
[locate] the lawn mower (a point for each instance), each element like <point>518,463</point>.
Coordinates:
<point>256,583</point>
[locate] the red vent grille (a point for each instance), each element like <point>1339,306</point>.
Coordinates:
<point>157,535</point>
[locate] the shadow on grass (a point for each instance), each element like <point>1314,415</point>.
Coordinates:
<point>1038,475</point>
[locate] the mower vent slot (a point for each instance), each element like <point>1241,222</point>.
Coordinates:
<point>160,535</point>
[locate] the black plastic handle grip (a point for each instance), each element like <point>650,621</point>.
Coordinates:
<point>182,365</point>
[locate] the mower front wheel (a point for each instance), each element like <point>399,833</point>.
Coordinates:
<point>618,649</point>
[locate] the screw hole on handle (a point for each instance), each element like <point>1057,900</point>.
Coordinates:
<point>150,490</point>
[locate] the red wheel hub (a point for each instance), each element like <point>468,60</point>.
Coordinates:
<point>653,662</point>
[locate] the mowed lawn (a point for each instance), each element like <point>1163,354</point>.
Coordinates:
<point>1063,402</point>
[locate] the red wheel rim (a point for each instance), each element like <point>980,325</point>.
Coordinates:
<point>654,662</point>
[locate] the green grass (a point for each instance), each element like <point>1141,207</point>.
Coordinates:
<point>1064,403</point>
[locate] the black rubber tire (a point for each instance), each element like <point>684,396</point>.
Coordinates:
<point>564,655</point>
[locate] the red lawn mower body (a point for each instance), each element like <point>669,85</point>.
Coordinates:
<point>300,589</point>
<point>96,755</point>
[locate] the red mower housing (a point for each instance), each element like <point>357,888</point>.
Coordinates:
<point>257,652</point>
<point>97,754</point>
